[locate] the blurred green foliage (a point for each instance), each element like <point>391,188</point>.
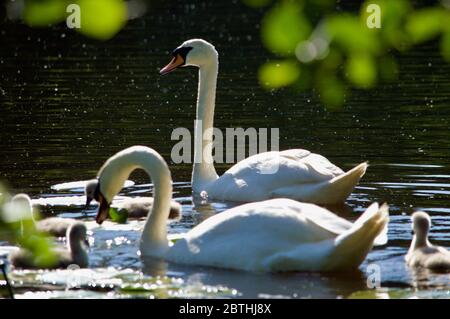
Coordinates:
<point>276,74</point>
<point>99,19</point>
<point>318,47</point>
<point>102,19</point>
<point>23,232</point>
<point>286,16</point>
<point>44,13</point>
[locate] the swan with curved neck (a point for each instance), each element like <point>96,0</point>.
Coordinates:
<point>272,235</point>
<point>297,174</point>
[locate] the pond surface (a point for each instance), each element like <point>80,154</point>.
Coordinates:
<point>68,103</point>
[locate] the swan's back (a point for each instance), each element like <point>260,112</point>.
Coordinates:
<point>250,233</point>
<point>279,235</point>
<point>297,174</point>
<point>55,226</point>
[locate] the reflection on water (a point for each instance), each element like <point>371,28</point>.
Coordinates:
<point>68,103</point>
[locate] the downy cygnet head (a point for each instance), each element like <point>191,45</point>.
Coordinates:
<point>421,223</point>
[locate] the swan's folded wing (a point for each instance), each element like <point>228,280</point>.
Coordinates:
<point>323,166</point>
<point>295,154</point>
<point>319,167</point>
<point>263,175</point>
<point>325,219</point>
<point>382,238</point>
<point>284,168</point>
<point>337,225</point>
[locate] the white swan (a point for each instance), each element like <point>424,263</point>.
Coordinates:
<point>54,226</point>
<point>136,207</point>
<point>422,254</point>
<point>74,254</point>
<point>272,235</point>
<point>297,174</point>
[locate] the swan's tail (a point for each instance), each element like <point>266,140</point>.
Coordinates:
<point>352,247</point>
<point>341,187</point>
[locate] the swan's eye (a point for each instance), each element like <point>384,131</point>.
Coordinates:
<point>183,51</point>
<point>178,60</point>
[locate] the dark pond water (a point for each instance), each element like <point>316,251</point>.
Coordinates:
<point>68,103</point>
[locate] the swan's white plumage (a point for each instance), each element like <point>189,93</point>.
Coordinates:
<point>273,235</point>
<point>276,235</point>
<point>297,174</point>
<point>423,254</point>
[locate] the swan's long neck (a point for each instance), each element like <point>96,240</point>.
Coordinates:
<point>154,236</point>
<point>75,246</point>
<point>204,172</point>
<point>420,241</point>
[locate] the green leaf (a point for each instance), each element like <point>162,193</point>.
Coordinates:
<point>332,61</point>
<point>425,24</point>
<point>44,13</point>
<point>102,19</point>
<point>361,70</point>
<point>392,11</point>
<point>118,215</point>
<point>277,74</point>
<point>352,35</point>
<point>393,15</point>
<point>41,248</point>
<point>332,92</point>
<point>284,27</point>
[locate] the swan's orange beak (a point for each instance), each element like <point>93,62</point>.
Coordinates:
<point>175,63</point>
